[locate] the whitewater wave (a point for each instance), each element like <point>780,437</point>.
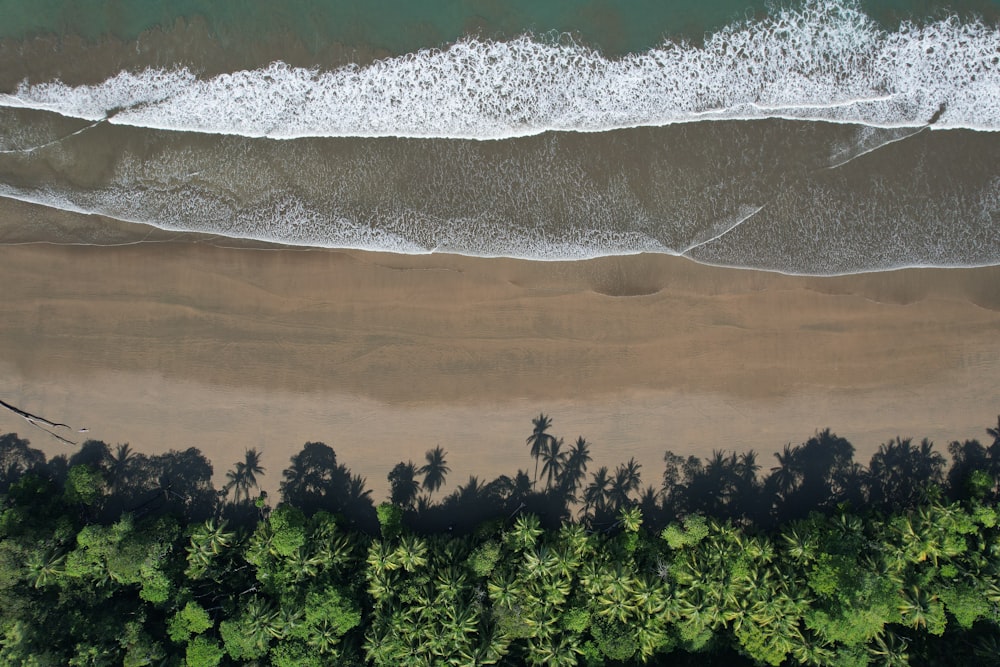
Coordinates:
<point>825,61</point>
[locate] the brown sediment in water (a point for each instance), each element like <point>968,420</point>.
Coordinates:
<point>171,344</point>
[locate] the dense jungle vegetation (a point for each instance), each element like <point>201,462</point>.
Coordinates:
<point>110,557</point>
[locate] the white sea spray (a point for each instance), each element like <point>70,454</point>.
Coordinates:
<point>825,61</point>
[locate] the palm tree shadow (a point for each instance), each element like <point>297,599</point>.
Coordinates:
<point>177,483</point>
<point>817,475</point>
<point>18,458</point>
<point>821,475</point>
<point>315,482</point>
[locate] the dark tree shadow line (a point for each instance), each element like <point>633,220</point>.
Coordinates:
<point>819,475</point>
<point>179,483</point>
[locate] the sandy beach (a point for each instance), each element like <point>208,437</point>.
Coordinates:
<point>170,343</point>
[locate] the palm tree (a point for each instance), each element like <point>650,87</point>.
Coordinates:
<point>920,608</point>
<point>323,637</point>
<point>493,646</point>
<point>333,546</point>
<point>631,519</point>
<point>505,591</point>
<point>304,564</point>
<point>260,623</point>
<point>574,537</point>
<point>381,559</point>
<point>890,650</point>
<point>450,583</point>
<point>411,553</point>
<point>539,440</point>
<point>650,636</point>
<point>207,541</point>
<point>526,530</point>
<point>553,462</point>
<point>435,470</point>
<point>616,599</point>
<point>560,651</point>
<point>45,566</point>
<point>801,543</point>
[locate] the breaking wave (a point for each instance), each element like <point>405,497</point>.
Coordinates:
<point>825,61</point>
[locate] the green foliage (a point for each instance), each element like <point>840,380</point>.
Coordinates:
<point>985,516</point>
<point>576,620</point>
<point>191,619</point>
<point>694,530</point>
<point>203,652</point>
<point>852,656</point>
<point>831,574</point>
<point>390,519</point>
<point>630,518</point>
<point>296,653</point>
<point>855,612</point>
<point>141,648</point>
<point>80,587</point>
<point>979,484</point>
<point>526,532</point>
<point>241,641</point>
<point>329,615</point>
<point>288,530</point>
<point>614,639</point>
<point>208,541</point>
<point>966,603</point>
<point>83,485</point>
<point>156,586</point>
<point>18,648</point>
<point>762,644</point>
<point>125,555</point>
<point>484,559</point>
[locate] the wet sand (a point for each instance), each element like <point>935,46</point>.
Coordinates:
<point>171,344</point>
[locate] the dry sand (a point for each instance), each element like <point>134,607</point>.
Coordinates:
<point>170,344</point>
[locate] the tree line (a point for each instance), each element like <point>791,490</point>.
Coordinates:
<point>109,556</point>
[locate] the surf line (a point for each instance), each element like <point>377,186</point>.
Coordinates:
<point>56,141</point>
<point>36,421</point>
<point>718,236</point>
<point>935,118</point>
<point>108,118</point>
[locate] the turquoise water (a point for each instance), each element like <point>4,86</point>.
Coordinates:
<point>822,137</point>
<point>400,26</point>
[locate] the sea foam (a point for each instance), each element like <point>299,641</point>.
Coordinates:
<point>825,61</point>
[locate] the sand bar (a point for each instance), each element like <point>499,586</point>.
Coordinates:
<point>171,343</point>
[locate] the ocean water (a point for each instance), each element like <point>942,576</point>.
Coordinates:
<point>819,137</point>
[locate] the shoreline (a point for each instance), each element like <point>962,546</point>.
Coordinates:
<point>382,356</point>
<point>67,227</point>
